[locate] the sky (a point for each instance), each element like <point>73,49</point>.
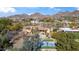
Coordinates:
<point>7,11</point>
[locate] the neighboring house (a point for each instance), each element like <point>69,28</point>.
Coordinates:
<point>68,30</point>
<point>35,21</point>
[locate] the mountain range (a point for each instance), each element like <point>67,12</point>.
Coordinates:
<point>41,16</point>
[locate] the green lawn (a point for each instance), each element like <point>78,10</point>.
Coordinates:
<point>77,40</point>
<point>50,39</point>
<point>47,47</point>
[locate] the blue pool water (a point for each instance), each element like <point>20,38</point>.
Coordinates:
<point>46,43</point>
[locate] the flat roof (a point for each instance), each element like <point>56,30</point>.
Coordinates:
<point>68,29</point>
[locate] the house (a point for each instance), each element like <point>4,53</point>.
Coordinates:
<point>42,35</point>
<point>44,29</point>
<point>27,29</point>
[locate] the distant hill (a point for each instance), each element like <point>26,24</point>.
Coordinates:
<point>74,13</point>
<point>41,16</point>
<point>19,16</point>
<point>66,14</point>
<point>26,16</point>
<point>38,16</point>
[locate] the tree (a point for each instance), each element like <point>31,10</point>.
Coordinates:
<point>3,23</point>
<point>4,41</point>
<point>73,24</point>
<point>14,27</point>
<point>31,43</point>
<point>66,41</point>
<point>47,20</point>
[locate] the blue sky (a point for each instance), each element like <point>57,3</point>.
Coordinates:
<point>30,10</point>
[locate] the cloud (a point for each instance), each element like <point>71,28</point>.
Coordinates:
<point>31,13</point>
<point>7,10</point>
<point>55,8</point>
<point>51,7</point>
